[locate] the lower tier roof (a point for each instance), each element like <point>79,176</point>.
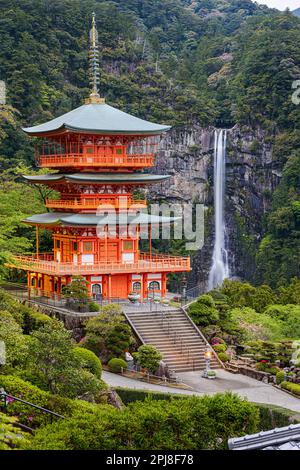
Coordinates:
<point>102,178</point>
<point>88,220</point>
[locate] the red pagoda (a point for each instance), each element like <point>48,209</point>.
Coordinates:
<point>99,154</point>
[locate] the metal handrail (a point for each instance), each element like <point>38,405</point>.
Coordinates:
<point>5,395</point>
<point>202,336</point>
<point>175,336</point>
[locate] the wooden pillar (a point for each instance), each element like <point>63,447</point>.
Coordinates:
<point>105,243</point>
<point>59,286</point>
<point>37,241</point>
<point>137,251</point>
<point>150,240</point>
<point>29,284</point>
<point>163,284</point>
<point>109,285</point>
<point>145,286</point>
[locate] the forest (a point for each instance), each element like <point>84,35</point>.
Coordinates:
<point>215,63</point>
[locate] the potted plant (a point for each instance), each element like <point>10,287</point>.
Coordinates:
<point>134,297</point>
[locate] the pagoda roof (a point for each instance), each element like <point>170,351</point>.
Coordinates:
<point>111,178</point>
<point>84,220</point>
<point>100,119</point>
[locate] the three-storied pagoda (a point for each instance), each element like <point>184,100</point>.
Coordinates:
<point>100,154</point>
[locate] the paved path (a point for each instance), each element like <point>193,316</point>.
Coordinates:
<point>244,386</point>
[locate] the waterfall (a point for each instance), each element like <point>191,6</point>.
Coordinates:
<point>219,268</point>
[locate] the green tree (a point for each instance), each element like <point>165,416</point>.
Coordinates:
<point>204,311</point>
<point>148,357</point>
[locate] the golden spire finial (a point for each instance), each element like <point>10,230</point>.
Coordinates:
<point>94,65</point>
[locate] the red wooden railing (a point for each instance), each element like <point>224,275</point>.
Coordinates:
<point>92,160</point>
<point>146,263</point>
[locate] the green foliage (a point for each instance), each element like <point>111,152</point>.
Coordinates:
<point>15,342</point>
<point>223,357</point>
<point>33,320</point>
<point>275,417</point>
<point>203,311</point>
<point>280,377</point>
<point>149,357</point>
<point>54,366</point>
<point>93,307</point>
<point>220,348</point>
<point>10,436</point>
<point>88,360</point>
<point>118,339</point>
<point>107,334</point>
<point>291,387</point>
<point>26,391</point>
<point>180,424</point>
<point>258,325</point>
<point>117,364</point>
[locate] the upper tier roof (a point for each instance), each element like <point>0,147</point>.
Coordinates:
<point>100,119</point>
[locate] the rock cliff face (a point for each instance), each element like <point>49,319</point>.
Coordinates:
<point>251,176</point>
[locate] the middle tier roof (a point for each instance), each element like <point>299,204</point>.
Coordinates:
<point>88,220</point>
<point>102,178</point>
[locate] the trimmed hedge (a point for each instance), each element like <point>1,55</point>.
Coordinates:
<point>129,395</point>
<point>270,416</point>
<point>89,360</point>
<point>294,388</point>
<point>116,364</point>
<point>280,377</point>
<point>275,417</point>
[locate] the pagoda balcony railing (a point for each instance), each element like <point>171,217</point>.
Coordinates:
<point>95,203</point>
<point>91,160</point>
<point>146,263</point>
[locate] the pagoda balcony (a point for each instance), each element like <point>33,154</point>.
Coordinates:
<point>97,160</point>
<point>93,203</point>
<point>45,264</point>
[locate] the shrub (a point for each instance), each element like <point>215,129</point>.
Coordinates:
<point>93,307</point>
<point>204,311</point>
<point>217,340</point>
<point>280,377</point>
<point>180,424</point>
<point>220,348</point>
<point>34,320</point>
<point>88,360</point>
<point>149,357</point>
<point>223,357</point>
<point>118,340</point>
<point>26,391</point>
<point>117,364</point>
<point>294,388</point>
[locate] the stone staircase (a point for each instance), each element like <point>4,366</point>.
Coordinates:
<point>174,334</point>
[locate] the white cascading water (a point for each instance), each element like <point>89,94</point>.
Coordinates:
<point>219,269</point>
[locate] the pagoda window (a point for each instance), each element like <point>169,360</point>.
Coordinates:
<point>154,285</point>
<point>136,286</point>
<point>58,244</point>
<point>75,246</point>
<point>33,282</point>
<point>96,289</point>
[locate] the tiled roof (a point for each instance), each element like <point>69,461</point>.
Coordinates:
<point>71,219</point>
<point>98,118</point>
<point>287,438</point>
<point>102,178</point>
